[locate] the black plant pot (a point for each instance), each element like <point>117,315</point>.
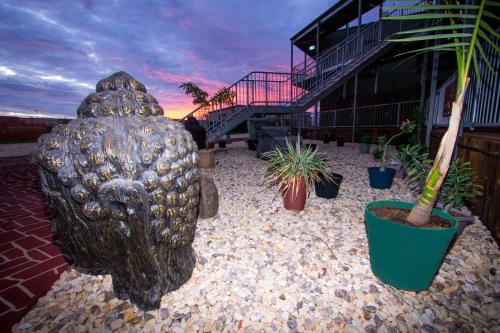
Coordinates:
<point>252,144</point>
<point>328,189</point>
<point>197,132</point>
<point>222,144</point>
<point>311,145</point>
<point>381,179</point>
<point>340,142</point>
<point>364,148</point>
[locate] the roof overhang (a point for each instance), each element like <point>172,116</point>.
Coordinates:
<point>337,16</point>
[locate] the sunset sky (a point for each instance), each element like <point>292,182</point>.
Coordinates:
<point>52,53</point>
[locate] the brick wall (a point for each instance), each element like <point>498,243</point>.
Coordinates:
<point>26,129</point>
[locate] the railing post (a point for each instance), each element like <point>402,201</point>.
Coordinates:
<point>248,96</point>
<point>362,46</point>
<point>265,88</point>
<point>334,118</point>
<point>343,54</point>
<point>398,115</point>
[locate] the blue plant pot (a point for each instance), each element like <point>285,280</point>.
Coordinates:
<point>381,179</point>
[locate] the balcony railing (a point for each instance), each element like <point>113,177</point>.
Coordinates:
<point>379,115</point>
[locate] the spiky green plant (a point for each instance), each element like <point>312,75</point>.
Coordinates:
<point>462,27</point>
<point>379,150</point>
<point>406,128</point>
<point>416,162</point>
<point>459,185</point>
<point>287,167</point>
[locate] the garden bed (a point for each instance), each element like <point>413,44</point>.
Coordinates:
<point>261,267</point>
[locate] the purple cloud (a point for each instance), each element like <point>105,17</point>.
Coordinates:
<point>53,53</point>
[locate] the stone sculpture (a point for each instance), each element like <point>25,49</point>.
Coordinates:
<point>123,183</point>
<point>209,197</point>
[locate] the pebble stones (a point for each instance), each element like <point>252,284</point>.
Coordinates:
<point>260,270</point>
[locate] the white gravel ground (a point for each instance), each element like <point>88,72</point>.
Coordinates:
<point>262,268</point>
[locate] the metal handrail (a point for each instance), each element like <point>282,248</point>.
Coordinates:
<point>376,115</point>
<point>296,88</point>
<point>332,49</point>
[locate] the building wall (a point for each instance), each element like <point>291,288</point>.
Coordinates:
<point>394,84</point>
<point>25,129</point>
<point>481,147</point>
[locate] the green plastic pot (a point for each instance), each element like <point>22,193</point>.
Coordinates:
<point>402,256</point>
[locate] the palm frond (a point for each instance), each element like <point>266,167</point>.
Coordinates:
<point>492,4</point>
<point>488,40</point>
<point>435,7</point>
<point>431,37</point>
<point>484,57</point>
<point>489,14</point>
<point>436,28</point>
<point>476,65</point>
<point>437,16</point>
<point>441,47</point>
<point>489,29</point>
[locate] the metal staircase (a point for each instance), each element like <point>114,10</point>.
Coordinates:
<point>286,93</point>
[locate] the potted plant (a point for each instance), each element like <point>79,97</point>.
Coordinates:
<point>340,141</point>
<point>294,170</point>
<point>327,138</point>
<point>311,146</point>
<point>328,189</point>
<point>382,177</point>
<point>416,163</point>
<point>406,250</point>
<point>364,143</point>
<point>252,144</point>
<point>378,151</point>
<point>460,183</point>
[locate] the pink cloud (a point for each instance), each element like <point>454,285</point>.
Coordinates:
<point>168,77</point>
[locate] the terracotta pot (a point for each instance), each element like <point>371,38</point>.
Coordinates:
<point>206,158</point>
<point>295,199</point>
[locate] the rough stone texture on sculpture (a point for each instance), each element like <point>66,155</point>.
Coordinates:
<point>209,197</point>
<point>123,182</point>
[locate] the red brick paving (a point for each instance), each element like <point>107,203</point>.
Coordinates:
<point>30,262</point>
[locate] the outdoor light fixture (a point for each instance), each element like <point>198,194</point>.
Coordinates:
<point>312,47</point>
